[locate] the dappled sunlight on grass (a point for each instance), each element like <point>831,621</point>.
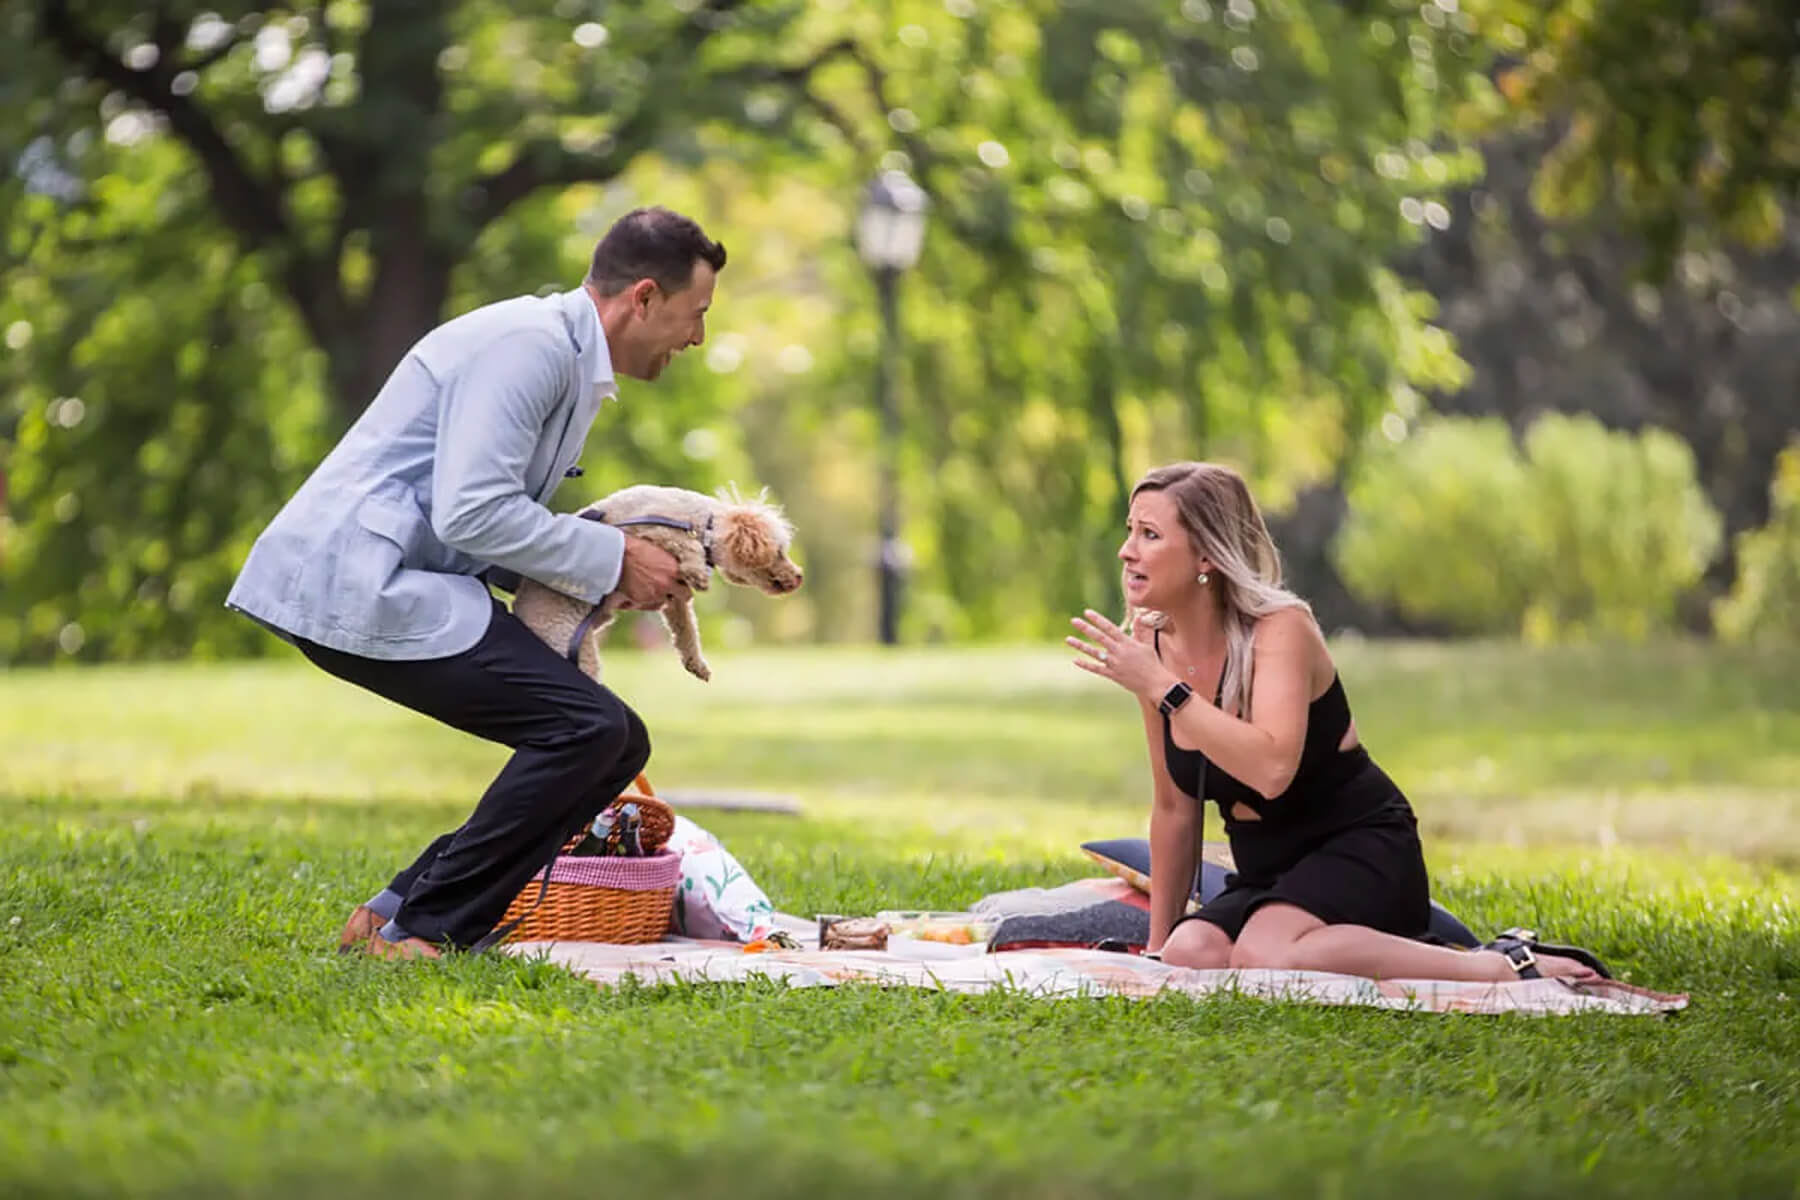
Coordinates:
<point>1737,821</point>
<point>1673,745</point>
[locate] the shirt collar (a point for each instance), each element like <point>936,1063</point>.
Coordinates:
<point>599,356</point>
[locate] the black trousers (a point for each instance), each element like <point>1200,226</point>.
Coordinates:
<point>576,746</point>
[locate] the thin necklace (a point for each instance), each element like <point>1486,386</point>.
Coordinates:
<point>1193,670</point>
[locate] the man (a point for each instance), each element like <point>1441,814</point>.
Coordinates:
<point>377,568</point>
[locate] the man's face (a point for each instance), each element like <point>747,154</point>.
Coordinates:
<point>663,324</point>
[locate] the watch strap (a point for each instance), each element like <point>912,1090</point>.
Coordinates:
<point>1178,694</point>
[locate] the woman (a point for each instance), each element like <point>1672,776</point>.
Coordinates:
<point>1243,706</point>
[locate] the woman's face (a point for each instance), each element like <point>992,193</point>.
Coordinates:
<point>1159,561</point>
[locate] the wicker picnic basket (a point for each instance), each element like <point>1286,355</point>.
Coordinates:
<point>626,901</point>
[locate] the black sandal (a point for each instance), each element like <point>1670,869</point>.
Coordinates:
<point>1520,948</point>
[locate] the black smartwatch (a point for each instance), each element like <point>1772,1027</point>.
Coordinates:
<point>1174,698</point>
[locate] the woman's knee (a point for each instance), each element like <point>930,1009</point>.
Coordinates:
<point>1270,938</point>
<point>1250,953</point>
<point>1199,945</point>
<point>1269,948</point>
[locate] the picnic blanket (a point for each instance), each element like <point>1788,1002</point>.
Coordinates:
<point>1063,973</point>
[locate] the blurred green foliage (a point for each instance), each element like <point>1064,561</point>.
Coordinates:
<point>1434,526</point>
<point>1158,231</point>
<point>1678,118</point>
<point>162,399</point>
<point>1764,606</point>
<point>1586,532</point>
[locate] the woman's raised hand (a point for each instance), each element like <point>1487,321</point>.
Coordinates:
<point>1111,653</point>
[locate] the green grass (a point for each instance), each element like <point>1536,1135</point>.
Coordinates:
<point>179,844</point>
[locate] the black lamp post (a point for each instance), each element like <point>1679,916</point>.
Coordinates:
<point>889,233</point>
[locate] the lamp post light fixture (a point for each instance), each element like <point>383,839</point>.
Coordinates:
<point>890,231</point>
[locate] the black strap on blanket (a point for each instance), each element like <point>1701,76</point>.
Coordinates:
<point>498,932</point>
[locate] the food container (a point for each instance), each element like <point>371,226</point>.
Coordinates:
<point>851,933</point>
<point>937,935</point>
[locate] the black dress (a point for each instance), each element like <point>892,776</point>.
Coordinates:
<point>1341,842</point>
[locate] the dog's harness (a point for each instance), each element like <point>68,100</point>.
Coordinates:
<point>704,533</point>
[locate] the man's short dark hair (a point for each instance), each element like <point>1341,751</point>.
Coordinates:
<point>652,243</point>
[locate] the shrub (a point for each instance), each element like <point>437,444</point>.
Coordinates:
<point>1433,527</point>
<point>1764,604</point>
<point>1589,531</point>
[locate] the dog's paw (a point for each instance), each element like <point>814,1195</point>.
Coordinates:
<point>698,669</point>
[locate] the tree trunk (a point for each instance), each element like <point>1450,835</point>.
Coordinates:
<point>411,289</point>
<point>384,165</point>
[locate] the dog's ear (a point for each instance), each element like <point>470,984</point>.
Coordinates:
<point>752,535</point>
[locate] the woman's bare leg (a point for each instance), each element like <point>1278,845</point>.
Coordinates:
<point>1199,945</point>
<point>1288,938</point>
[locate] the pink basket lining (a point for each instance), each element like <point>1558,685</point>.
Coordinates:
<point>647,874</point>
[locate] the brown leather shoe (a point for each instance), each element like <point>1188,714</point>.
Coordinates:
<point>362,925</point>
<point>412,947</point>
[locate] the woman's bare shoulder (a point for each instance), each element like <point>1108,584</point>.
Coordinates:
<point>1292,633</point>
<point>1291,627</point>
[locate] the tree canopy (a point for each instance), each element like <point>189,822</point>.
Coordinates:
<point>1158,231</point>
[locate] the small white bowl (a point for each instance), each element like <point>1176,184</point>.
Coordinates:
<point>904,945</point>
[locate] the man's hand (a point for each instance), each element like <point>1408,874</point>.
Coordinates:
<point>647,575</point>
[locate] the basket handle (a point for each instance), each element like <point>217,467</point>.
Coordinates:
<point>639,786</point>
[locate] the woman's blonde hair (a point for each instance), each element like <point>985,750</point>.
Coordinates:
<point>1225,526</point>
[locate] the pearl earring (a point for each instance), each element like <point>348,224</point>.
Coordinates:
<point>1202,577</point>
